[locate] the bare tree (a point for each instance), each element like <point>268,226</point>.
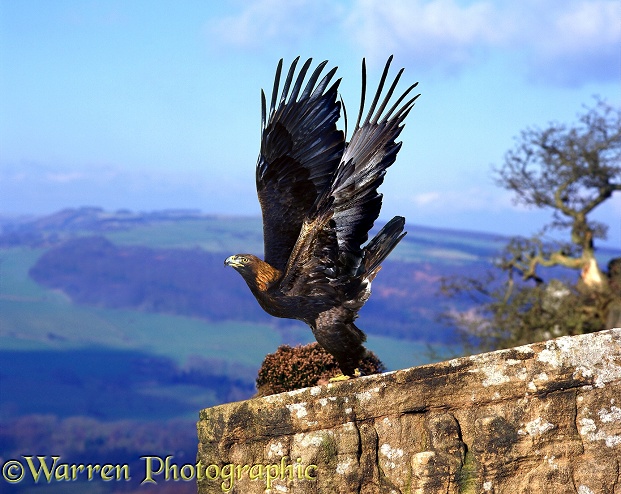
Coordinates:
<point>571,170</point>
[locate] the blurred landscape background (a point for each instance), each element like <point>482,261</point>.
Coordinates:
<point>116,328</point>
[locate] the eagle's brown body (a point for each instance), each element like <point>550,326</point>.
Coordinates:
<point>319,200</point>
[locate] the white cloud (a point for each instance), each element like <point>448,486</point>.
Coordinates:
<point>65,177</point>
<point>437,32</point>
<point>261,22</point>
<point>427,198</point>
<point>566,42</point>
<point>585,25</point>
<point>577,44</point>
<point>471,199</point>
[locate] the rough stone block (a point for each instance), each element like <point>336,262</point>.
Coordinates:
<point>540,418</point>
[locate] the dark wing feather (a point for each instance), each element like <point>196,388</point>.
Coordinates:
<point>371,150</point>
<point>300,150</point>
<point>328,252</point>
<point>312,266</point>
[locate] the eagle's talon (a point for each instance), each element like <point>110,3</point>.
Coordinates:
<point>344,377</point>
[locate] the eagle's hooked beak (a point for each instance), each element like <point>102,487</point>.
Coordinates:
<point>233,261</point>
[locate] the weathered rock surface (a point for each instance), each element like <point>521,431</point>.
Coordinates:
<point>541,418</point>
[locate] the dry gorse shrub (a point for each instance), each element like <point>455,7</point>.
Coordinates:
<point>302,366</point>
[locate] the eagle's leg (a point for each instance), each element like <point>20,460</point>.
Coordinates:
<point>335,331</point>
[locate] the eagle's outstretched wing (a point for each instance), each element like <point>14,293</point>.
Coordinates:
<point>300,150</point>
<point>371,150</point>
<point>346,211</point>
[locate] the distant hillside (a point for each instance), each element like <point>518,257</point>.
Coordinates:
<point>193,282</point>
<point>93,270</point>
<point>51,229</point>
<point>171,262</point>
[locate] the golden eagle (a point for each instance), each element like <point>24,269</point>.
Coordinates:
<point>319,199</point>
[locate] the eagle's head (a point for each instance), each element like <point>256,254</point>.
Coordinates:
<point>243,263</point>
<point>257,273</point>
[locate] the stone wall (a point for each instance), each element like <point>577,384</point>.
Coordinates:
<point>542,418</point>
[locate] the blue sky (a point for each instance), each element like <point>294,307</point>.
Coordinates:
<point>155,104</point>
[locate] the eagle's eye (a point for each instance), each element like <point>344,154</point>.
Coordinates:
<point>243,259</point>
